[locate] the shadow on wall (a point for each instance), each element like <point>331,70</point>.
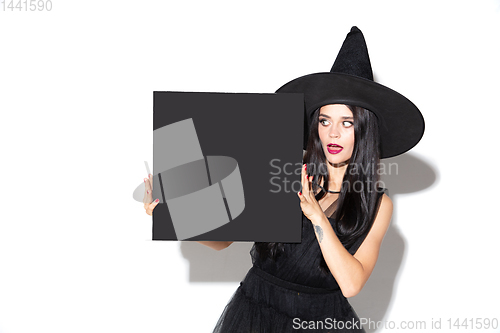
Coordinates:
<point>208,265</point>
<point>402,174</point>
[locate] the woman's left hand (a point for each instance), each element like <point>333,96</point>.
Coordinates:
<point>308,203</point>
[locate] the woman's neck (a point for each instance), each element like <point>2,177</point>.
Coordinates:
<point>336,175</point>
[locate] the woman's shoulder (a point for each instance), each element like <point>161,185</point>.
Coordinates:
<point>386,202</point>
<point>384,195</point>
<point>384,213</point>
<point>381,221</point>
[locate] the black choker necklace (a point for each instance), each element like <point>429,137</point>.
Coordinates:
<point>326,190</point>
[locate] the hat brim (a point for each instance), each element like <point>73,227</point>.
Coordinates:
<point>401,125</point>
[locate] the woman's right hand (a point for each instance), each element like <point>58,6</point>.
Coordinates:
<point>149,204</point>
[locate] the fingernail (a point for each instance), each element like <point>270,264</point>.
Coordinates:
<point>147,191</point>
<point>307,177</point>
<point>306,166</point>
<point>157,200</point>
<point>300,193</point>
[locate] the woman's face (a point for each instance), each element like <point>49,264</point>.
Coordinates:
<point>336,132</point>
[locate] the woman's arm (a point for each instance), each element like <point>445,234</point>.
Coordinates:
<point>216,245</point>
<point>352,272</point>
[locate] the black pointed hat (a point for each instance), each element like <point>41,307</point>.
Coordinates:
<point>350,81</point>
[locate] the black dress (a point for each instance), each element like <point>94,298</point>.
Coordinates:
<point>291,294</point>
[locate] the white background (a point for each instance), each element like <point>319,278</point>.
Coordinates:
<point>76,103</point>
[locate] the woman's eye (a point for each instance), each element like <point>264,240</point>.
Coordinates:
<point>347,123</point>
<point>323,122</point>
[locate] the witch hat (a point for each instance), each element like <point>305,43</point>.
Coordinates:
<point>350,82</point>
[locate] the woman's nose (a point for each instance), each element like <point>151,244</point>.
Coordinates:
<point>334,133</point>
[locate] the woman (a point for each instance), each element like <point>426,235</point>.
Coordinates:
<point>351,122</point>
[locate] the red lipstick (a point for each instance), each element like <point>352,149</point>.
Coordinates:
<point>334,148</point>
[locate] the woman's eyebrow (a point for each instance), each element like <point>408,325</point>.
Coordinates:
<point>343,117</point>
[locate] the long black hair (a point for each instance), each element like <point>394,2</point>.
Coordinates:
<point>358,200</point>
